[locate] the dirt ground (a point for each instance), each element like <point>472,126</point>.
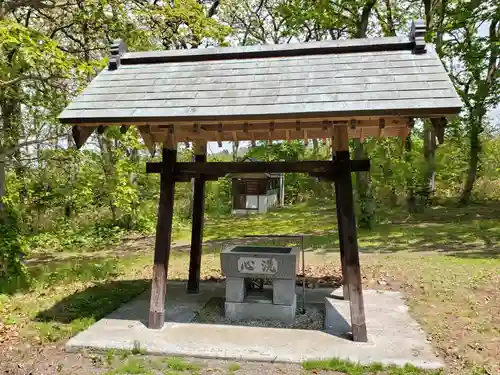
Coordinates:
<point>50,360</point>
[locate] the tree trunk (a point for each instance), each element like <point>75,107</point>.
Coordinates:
<point>236,145</point>
<point>108,167</point>
<point>363,189</point>
<point>2,186</point>
<point>430,160</point>
<point>315,147</point>
<point>363,178</point>
<point>475,148</point>
<point>410,184</point>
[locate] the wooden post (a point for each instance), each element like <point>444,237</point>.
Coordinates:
<point>349,241</point>
<point>193,285</point>
<point>340,142</point>
<point>163,239</point>
<point>345,284</point>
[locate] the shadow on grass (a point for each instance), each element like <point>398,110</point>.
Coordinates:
<point>93,303</point>
<point>74,269</point>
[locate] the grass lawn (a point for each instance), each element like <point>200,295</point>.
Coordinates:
<point>446,260</point>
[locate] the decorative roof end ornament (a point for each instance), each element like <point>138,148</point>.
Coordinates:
<point>417,36</point>
<point>117,49</point>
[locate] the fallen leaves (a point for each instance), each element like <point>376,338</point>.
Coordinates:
<point>9,336</point>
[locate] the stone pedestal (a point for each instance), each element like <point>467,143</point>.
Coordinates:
<point>241,263</point>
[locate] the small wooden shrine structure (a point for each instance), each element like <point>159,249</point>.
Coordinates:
<point>256,192</point>
<point>332,90</point>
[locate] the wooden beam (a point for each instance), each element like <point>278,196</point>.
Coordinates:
<point>163,241</point>
<point>193,285</point>
<point>81,134</point>
<point>340,141</point>
<point>170,140</point>
<point>349,243</point>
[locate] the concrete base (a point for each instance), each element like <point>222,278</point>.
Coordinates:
<point>394,337</point>
<point>263,310</point>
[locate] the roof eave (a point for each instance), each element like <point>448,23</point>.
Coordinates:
<point>417,113</point>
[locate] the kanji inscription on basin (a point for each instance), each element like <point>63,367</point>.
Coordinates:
<point>257,265</point>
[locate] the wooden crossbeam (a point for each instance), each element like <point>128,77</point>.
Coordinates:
<point>193,169</point>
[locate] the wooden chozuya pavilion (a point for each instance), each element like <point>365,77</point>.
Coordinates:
<point>332,90</point>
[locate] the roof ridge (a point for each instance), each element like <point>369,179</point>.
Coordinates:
<point>414,42</point>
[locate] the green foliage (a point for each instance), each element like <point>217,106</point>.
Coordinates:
<point>13,272</point>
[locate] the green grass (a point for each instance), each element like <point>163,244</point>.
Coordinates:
<point>179,364</point>
<point>233,367</point>
<point>351,368</point>
<point>152,366</point>
<point>133,366</point>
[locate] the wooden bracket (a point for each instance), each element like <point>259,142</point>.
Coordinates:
<point>235,138</point>
<point>353,123</point>
<point>146,135</point>
<point>381,127</point>
<point>271,132</point>
<point>439,125</point>
<point>81,134</point>
<point>217,134</point>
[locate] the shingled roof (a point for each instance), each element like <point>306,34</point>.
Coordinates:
<point>396,76</point>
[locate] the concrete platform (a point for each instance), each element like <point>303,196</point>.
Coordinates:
<point>394,337</point>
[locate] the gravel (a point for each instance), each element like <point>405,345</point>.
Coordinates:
<point>312,319</point>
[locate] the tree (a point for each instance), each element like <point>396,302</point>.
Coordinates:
<point>473,61</point>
